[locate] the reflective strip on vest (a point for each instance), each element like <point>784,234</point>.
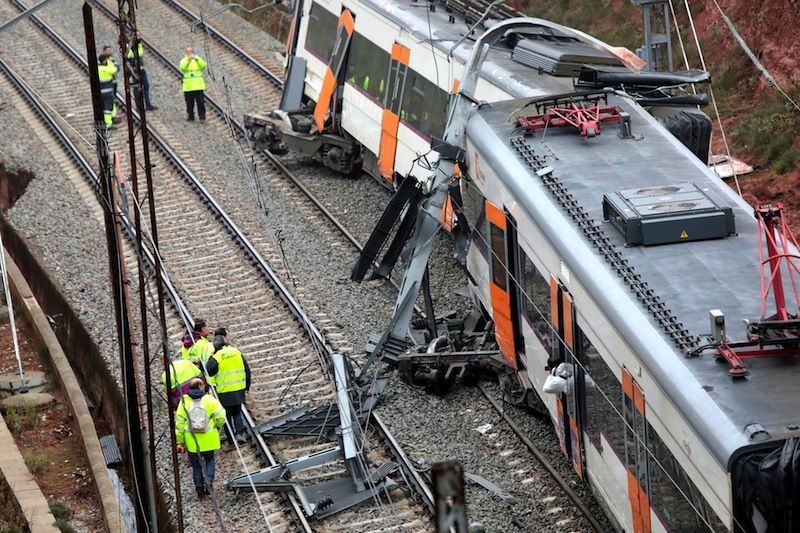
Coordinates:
<point>231,376</point>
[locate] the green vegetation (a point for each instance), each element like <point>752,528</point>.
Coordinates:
<point>23,416</point>
<point>62,513</point>
<point>10,527</point>
<point>770,134</point>
<point>36,461</point>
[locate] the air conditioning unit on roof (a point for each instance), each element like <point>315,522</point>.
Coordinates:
<point>667,214</point>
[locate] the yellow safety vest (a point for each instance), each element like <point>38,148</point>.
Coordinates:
<point>202,441</point>
<point>231,376</point>
<point>180,371</point>
<point>201,350</point>
<point>105,73</point>
<point>141,55</point>
<point>193,74</point>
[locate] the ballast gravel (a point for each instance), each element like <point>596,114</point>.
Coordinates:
<point>432,428</point>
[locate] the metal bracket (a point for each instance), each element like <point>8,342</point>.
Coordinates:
<point>333,495</point>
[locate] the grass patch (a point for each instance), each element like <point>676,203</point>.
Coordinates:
<point>36,462</point>
<point>19,417</point>
<point>9,527</point>
<point>62,514</point>
<point>60,510</point>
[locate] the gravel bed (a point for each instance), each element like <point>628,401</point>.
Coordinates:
<point>61,229</point>
<point>358,309</point>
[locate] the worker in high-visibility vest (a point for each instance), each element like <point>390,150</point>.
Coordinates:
<point>194,85</point>
<point>202,349</point>
<point>145,81</point>
<point>182,372</point>
<point>231,375</point>
<point>197,422</point>
<point>106,72</point>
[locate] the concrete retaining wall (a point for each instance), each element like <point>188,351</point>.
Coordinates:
<point>72,389</point>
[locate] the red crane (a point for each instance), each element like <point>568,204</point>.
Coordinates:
<point>779,333</point>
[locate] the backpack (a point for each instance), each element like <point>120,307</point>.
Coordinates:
<point>198,417</point>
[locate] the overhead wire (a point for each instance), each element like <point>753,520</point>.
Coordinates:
<point>574,359</point>
<point>713,98</point>
<point>189,329</point>
<point>759,66</point>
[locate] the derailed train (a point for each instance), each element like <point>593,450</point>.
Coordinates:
<point>598,242</point>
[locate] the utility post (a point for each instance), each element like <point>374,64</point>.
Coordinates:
<point>657,48</point>
<point>115,258</point>
<point>132,77</point>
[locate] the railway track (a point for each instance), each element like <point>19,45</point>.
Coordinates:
<point>251,306</point>
<point>193,288</point>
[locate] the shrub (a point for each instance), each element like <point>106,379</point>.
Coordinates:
<point>36,462</point>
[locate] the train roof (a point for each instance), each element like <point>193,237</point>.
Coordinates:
<point>499,68</point>
<point>691,278</point>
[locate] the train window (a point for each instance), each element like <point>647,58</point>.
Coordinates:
<point>536,302</point>
<point>602,417</point>
<point>498,239</point>
<point>673,496</point>
<point>321,33</point>
<point>367,67</point>
<point>474,208</point>
<point>424,105</point>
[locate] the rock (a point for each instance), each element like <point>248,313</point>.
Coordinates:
<point>35,399</point>
<point>10,382</point>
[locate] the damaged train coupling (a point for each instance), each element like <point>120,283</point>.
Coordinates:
<point>461,349</point>
<point>281,132</point>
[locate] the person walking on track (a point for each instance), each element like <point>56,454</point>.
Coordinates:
<point>194,84</point>
<point>182,372</point>
<point>145,85</point>
<point>197,422</point>
<point>202,349</point>
<point>231,375</point>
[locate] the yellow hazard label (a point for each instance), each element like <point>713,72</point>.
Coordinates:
<point>684,235</point>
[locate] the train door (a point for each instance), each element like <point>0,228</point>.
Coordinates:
<point>570,405</point>
<point>330,82</point>
<point>636,452</point>
<point>502,293</point>
<point>392,106</point>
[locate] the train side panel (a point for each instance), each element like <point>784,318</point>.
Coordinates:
<point>672,450</point>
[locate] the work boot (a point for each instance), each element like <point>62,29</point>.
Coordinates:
<point>190,119</point>
<point>201,492</point>
<point>152,108</point>
<point>241,438</point>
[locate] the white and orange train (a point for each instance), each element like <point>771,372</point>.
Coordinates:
<point>600,245</point>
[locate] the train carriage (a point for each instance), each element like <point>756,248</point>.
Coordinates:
<point>378,75</point>
<point>603,249</point>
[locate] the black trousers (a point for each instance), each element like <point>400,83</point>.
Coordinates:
<point>195,96</point>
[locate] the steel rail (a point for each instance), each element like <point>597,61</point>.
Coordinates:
<point>172,292</point>
<point>317,338</point>
<point>230,45</point>
<point>272,158</point>
<point>537,453</point>
<point>240,129</point>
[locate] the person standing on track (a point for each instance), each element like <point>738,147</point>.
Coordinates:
<point>197,422</point>
<point>145,85</point>
<point>106,70</point>
<point>109,53</point>
<point>194,84</point>
<point>231,375</point>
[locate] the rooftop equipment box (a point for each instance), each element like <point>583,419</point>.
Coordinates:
<point>667,214</point>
